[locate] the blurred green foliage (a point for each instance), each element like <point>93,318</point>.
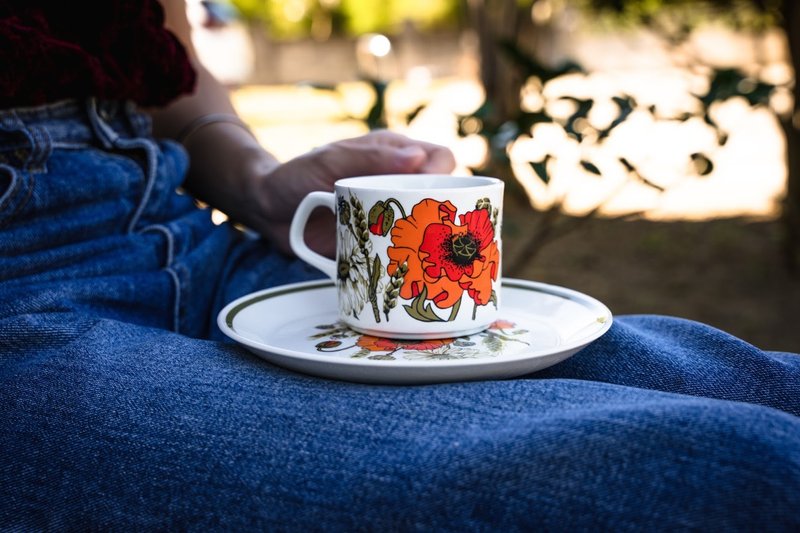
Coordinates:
<point>302,18</point>
<point>746,11</point>
<point>677,18</point>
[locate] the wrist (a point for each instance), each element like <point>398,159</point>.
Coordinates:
<point>254,169</point>
<point>210,119</point>
<point>227,165</point>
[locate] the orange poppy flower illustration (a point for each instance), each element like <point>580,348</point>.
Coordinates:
<point>380,344</point>
<point>501,324</point>
<point>445,257</point>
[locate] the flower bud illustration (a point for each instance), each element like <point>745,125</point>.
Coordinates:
<point>327,345</point>
<point>381,218</point>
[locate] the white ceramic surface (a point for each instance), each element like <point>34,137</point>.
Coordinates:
<point>445,231</point>
<point>297,327</point>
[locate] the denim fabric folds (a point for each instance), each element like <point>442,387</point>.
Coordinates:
<point>92,222</point>
<point>121,408</point>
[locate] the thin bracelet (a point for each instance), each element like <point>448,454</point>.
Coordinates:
<point>212,118</point>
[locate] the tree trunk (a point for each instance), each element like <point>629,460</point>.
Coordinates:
<point>791,207</point>
<point>494,22</point>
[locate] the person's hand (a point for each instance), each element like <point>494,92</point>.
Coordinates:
<point>231,171</point>
<point>278,191</point>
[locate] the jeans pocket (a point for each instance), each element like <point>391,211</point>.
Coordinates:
<point>15,190</point>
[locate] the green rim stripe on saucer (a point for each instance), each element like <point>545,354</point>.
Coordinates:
<point>232,313</point>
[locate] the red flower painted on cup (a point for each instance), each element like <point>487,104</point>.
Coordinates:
<point>445,258</point>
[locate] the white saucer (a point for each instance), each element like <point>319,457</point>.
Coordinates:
<point>296,326</point>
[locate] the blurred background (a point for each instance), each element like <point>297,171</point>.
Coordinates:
<point>649,147</point>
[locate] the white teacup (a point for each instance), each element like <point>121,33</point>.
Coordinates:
<point>417,255</point>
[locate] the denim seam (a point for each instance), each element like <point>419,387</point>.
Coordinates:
<point>20,205</point>
<point>169,270</point>
<point>177,304</point>
<point>13,189</point>
<point>68,145</point>
<point>170,241</point>
<point>150,173</point>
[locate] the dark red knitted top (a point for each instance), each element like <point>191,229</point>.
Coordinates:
<point>113,49</point>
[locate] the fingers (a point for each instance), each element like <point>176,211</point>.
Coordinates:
<point>439,160</point>
<point>410,158</point>
<point>425,158</point>
<point>384,152</point>
<point>345,160</point>
<point>381,152</point>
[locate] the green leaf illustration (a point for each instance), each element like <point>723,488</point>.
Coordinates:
<point>493,343</point>
<point>419,310</point>
<point>331,330</point>
<point>377,271</point>
<point>454,311</point>
<point>372,289</point>
<point>382,357</point>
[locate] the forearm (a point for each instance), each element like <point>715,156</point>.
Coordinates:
<point>224,156</point>
<point>231,171</point>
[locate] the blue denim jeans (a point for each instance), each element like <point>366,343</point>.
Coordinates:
<point>121,407</point>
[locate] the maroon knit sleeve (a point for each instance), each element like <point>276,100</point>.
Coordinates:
<point>111,50</point>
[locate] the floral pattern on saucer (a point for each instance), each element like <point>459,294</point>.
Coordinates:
<point>491,342</point>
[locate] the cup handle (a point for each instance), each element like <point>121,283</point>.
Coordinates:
<point>296,241</point>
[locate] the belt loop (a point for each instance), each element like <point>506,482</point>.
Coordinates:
<point>106,135</point>
<point>42,148</point>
